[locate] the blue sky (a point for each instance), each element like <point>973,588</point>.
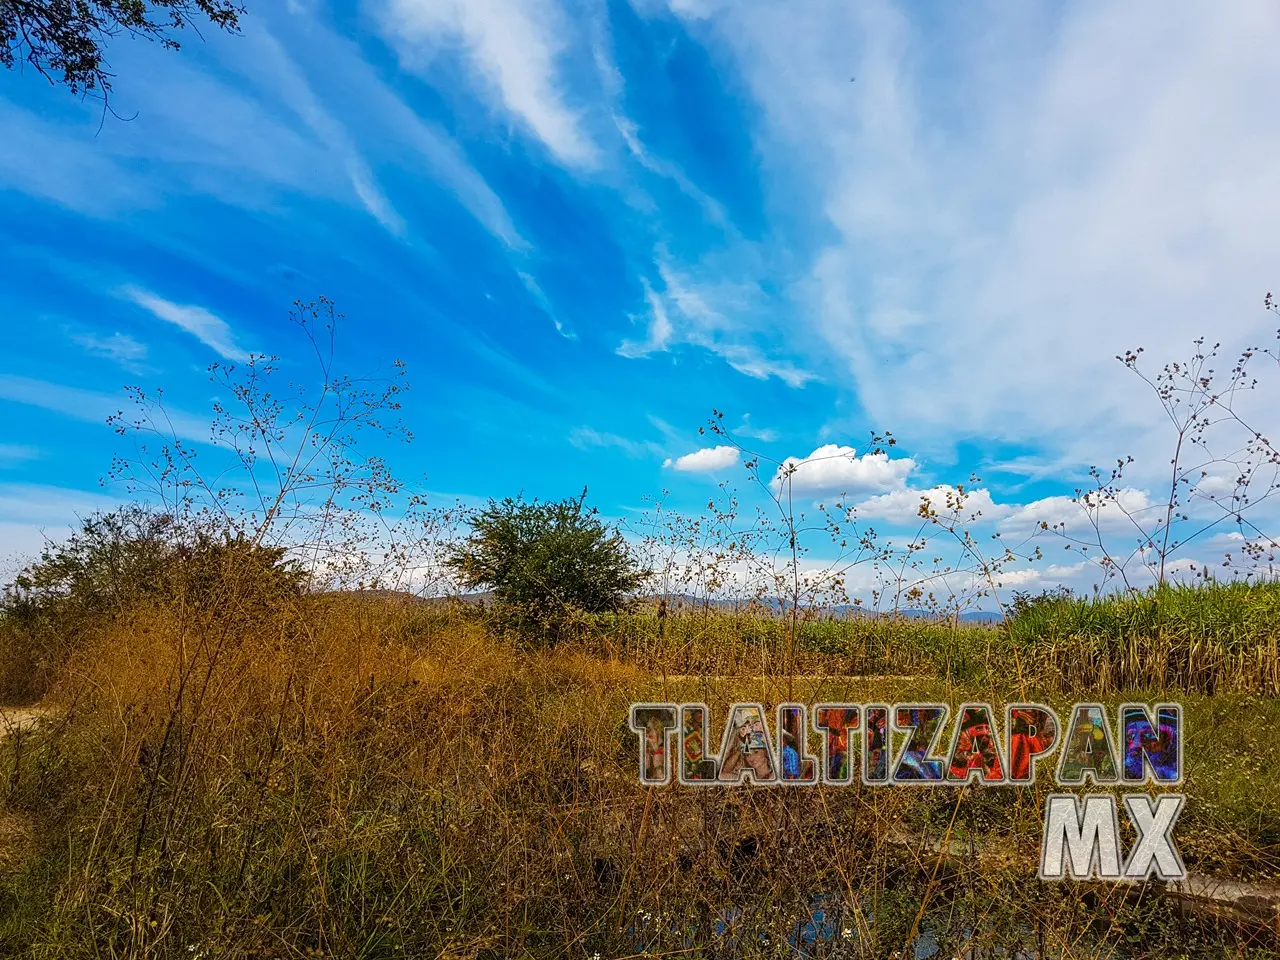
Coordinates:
<point>585,226</point>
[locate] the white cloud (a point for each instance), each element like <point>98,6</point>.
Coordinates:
<point>903,506</point>
<point>1018,578</point>
<point>747,360</point>
<point>210,330</point>
<point>371,195</point>
<point>1218,485</point>
<point>45,504</point>
<point>291,85</point>
<point>513,46</point>
<point>836,469</point>
<point>91,406</point>
<point>11,453</point>
<point>586,437</point>
<point>535,290</point>
<point>706,460</point>
<point>22,544</point>
<point>388,121</point>
<point>57,162</point>
<point>716,304</point>
<point>725,316</point>
<point>1130,504</point>
<point>1053,188</point>
<point>119,347</point>
<point>615,90</point>
<point>70,401</point>
<point>1073,575</point>
<point>747,429</point>
<point>730,318</point>
<point>659,333</point>
<point>447,161</point>
<point>294,128</point>
<point>194,134</point>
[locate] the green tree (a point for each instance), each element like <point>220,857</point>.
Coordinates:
<point>1025,603</point>
<point>113,560</point>
<point>117,561</point>
<point>547,564</point>
<point>63,39</point>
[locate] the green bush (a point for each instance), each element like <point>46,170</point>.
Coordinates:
<point>548,564</point>
<point>115,562</point>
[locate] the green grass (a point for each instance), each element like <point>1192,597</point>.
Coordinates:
<point>1210,638</point>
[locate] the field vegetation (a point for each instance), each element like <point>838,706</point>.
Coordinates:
<point>269,730</point>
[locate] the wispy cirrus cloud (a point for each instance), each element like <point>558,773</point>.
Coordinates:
<point>12,453</point>
<point>658,334</point>
<point>294,89</point>
<point>34,514</point>
<point>725,317</point>
<point>93,406</point>
<point>1109,186</point>
<point>311,119</point>
<point>614,86</point>
<point>512,48</point>
<point>117,347</point>
<point>209,329</point>
<point>587,437</point>
<point>748,429</point>
<point>535,290</point>
<point>384,120</point>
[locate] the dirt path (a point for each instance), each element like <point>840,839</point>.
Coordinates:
<point>15,828</point>
<point>13,719</point>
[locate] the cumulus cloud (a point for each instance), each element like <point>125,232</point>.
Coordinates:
<point>903,506</point>
<point>512,47</point>
<point>1218,486</point>
<point>1130,504</point>
<point>1074,575</point>
<point>706,460</point>
<point>836,469</point>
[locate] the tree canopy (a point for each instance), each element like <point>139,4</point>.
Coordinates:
<point>63,39</point>
<point>546,562</point>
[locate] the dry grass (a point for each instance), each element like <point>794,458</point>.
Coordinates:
<point>361,779</point>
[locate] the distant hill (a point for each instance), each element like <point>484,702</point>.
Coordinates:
<point>969,616</point>
<point>685,603</point>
